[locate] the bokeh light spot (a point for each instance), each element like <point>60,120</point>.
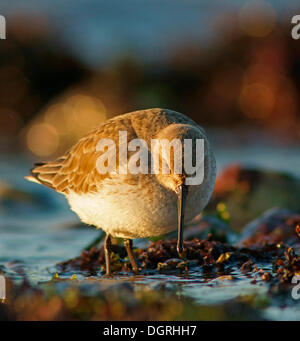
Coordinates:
<point>42,139</point>
<point>257,18</point>
<point>257,100</point>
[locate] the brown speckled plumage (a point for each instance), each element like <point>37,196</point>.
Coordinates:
<point>76,170</point>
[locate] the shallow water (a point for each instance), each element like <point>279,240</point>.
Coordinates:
<point>38,231</point>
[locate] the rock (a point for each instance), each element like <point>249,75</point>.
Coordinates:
<point>206,226</point>
<point>247,193</point>
<point>275,226</point>
<point>209,225</point>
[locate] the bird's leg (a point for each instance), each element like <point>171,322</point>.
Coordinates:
<point>128,246</point>
<point>107,247</point>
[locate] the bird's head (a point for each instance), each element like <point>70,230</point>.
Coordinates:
<point>180,159</point>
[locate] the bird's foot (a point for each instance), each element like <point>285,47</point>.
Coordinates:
<point>108,275</point>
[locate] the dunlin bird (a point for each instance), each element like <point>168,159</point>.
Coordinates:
<point>131,205</point>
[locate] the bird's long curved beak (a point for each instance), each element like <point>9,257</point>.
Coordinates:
<point>182,192</point>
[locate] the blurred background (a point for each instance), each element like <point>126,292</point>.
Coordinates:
<point>232,66</point>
